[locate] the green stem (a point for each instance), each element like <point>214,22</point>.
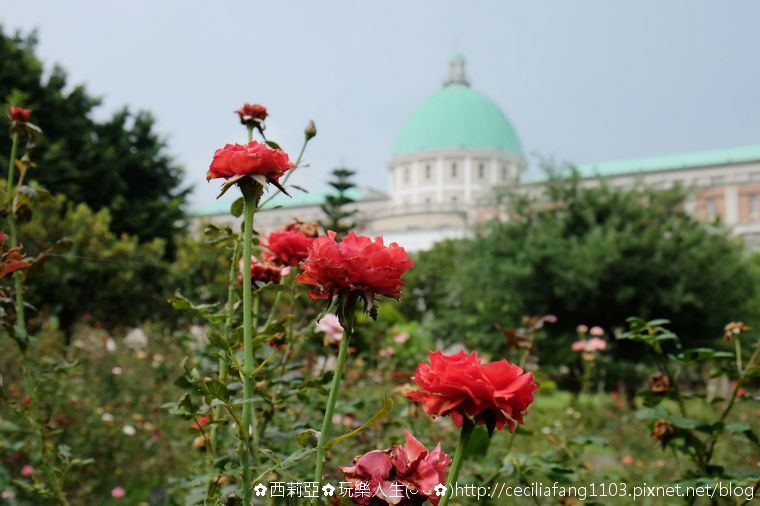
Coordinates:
<point>231,284</point>
<point>710,446</point>
<point>11,169</point>
<point>251,193</point>
<point>17,276</point>
<point>347,307</point>
<point>738,347</point>
<point>456,463</point>
<point>290,172</point>
<point>673,382</point>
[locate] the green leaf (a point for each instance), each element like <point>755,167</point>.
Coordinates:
<point>478,443</point>
<point>387,406</point>
<point>273,145</point>
<point>683,422</point>
<point>308,438</point>
<point>217,389</point>
<point>237,207</point>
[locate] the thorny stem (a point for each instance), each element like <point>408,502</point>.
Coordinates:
<point>346,315</point>
<point>710,446</point>
<point>53,481</point>
<point>666,369</point>
<point>227,334</point>
<point>251,193</point>
<point>17,276</point>
<point>456,463</point>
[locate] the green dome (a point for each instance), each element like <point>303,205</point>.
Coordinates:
<point>457,117</point>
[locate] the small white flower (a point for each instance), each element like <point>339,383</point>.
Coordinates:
<point>136,339</point>
<point>111,345</point>
<point>129,430</point>
<point>116,370</point>
<point>107,417</point>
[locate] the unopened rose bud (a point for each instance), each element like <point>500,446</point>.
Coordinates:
<point>310,131</point>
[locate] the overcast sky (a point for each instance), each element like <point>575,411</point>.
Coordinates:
<point>581,81</point>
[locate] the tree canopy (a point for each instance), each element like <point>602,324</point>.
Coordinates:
<point>589,255</point>
<point>119,164</point>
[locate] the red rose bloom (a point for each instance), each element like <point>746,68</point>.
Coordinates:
<point>356,264</point>
<point>460,385</point>
<point>262,271</point>
<point>288,246</point>
<point>11,260</point>
<point>252,159</point>
<point>252,114</point>
<point>403,475</point>
<point>19,114</point>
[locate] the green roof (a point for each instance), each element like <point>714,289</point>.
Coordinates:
<point>298,199</point>
<point>672,162</point>
<point>457,117</point>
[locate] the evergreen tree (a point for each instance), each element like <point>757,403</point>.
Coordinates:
<point>339,216</point>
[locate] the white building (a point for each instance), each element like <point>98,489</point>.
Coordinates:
<point>458,146</point>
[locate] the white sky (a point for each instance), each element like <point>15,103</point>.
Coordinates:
<point>581,81</point>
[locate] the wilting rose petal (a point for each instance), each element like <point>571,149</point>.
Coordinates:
<point>410,469</point>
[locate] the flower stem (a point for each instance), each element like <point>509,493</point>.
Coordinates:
<point>456,464</point>
<point>738,348</point>
<point>346,310</point>
<point>227,334</point>
<point>251,193</point>
<point>17,279</point>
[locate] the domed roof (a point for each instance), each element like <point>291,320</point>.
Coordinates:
<point>457,117</point>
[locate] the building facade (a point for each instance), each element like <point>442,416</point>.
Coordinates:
<point>458,147</point>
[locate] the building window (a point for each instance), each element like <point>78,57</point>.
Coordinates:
<point>711,207</point>
<point>481,170</point>
<point>754,205</point>
<point>427,200</point>
<point>454,169</point>
<point>454,199</point>
<point>427,171</point>
<point>504,172</point>
<point>406,175</point>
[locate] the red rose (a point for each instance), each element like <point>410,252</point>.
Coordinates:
<point>356,264</point>
<point>460,385</point>
<point>252,114</point>
<point>10,260</point>
<point>19,114</point>
<point>401,475</point>
<point>262,271</point>
<point>288,246</point>
<point>252,159</point>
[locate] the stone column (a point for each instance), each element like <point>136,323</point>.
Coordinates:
<point>731,204</point>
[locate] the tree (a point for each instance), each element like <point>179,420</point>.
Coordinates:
<point>591,255</point>
<point>92,274</point>
<point>120,164</point>
<point>339,218</point>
